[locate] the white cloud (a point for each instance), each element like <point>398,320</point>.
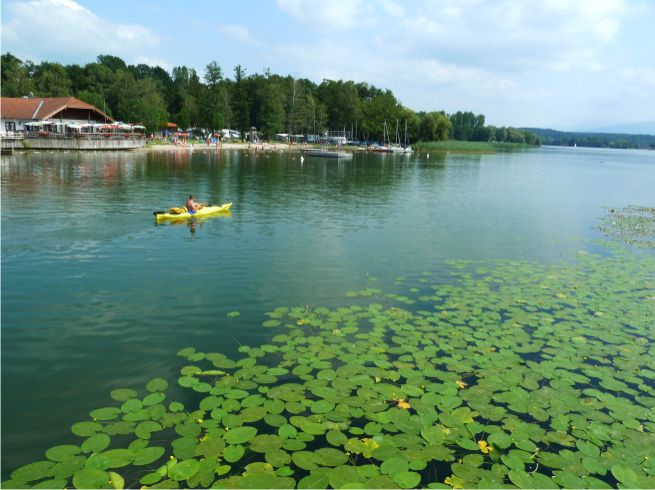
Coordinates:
<point>512,35</point>
<point>48,28</point>
<point>154,61</point>
<point>323,15</point>
<point>239,34</point>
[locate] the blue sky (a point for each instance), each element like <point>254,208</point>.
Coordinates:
<point>578,64</point>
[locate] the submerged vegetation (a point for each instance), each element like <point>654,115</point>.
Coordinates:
<point>516,375</point>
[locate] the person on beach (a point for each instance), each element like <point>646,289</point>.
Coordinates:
<point>191,206</point>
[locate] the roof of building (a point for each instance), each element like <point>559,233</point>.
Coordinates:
<point>42,108</point>
<point>172,125</point>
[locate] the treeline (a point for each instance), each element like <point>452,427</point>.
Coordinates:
<point>595,140</point>
<point>271,103</point>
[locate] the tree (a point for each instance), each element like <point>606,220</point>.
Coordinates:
<point>434,127</point>
<point>95,100</point>
<point>240,102</point>
<point>16,81</point>
<point>112,62</point>
<point>295,96</point>
<point>139,111</point>
<point>183,120</point>
<point>501,134</point>
<point>210,103</point>
<point>271,116</point>
<point>53,82</point>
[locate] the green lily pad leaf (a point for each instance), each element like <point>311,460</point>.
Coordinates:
<point>407,479</point>
<point>85,429</point>
<point>187,382</point>
<point>236,394</point>
<point>108,413</point>
<point>512,462</point>
<point>176,407</point>
<point>336,438</point>
<point>318,481</point>
<point>210,447</point>
<point>51,484</point>
<point>552,460</point>
<point>98,461</point>
<point>33,471</point>
<point>271,323</point>
<point>434,435</point>
<point>153,398</point>
<point>148,455</point>
<point>381,481</point>
<point>157,384</point>
<point>232,454</point>
<point>343,475</point>
<point>190,370</point>
<point>239,435</point>
<point>313,428</point>
<point>265,443</point>
<point>264,480</point>
<point>253,414</point>
<point>624,474</point>
<point>184,470</point>
<point>188,429</point>
<point>322,406</point>
<point>278,457</point>
<point>305,460</point>
<point>116,480</point>
<point>332,457</point>
<point>96,443</point>
<point>394,466</point>
<point>131,405</point>
<point>66,469</point>
<point>467,444</point>
<point>119,457</point>
<point>287,431</point>
<point>62,453</point>
<point>90,478</point>
<point>500,439</point>
<point>123,394</point>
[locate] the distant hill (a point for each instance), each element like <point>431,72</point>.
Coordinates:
<point>647,127</point>
<point>596,140</point>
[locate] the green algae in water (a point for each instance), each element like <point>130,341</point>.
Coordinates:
<point>520,374</point>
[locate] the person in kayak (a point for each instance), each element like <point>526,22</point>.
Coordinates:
<point>191,206</point>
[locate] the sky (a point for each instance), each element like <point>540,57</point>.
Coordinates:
<point>560,64</point>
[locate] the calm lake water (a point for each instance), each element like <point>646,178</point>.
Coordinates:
<point>97,296</point>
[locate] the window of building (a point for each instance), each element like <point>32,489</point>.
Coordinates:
<point>10,126</point>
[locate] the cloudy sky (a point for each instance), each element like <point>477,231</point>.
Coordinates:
<point>563,64</point>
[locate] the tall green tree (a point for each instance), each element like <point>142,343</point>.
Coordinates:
<point>241,115</point>
<point>211,106</point>
<point>183,120</point>
<point>271,116</point>
<point>16,78</point>
<point>51,81</point>
<point>434,127</point>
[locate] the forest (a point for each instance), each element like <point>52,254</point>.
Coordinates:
<point>595,140</point>
<point>237,100</point>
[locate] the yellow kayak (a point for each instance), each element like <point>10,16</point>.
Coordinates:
<point>201,213</point>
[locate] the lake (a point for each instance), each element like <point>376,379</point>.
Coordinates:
<point>97,296</point>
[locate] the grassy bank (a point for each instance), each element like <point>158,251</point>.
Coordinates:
<point>466,146</point>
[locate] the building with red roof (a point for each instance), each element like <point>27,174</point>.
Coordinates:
<point>15,112</point>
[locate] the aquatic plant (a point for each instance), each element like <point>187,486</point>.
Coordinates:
<point>517,374</point>
<point>632,225</point>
